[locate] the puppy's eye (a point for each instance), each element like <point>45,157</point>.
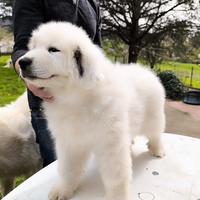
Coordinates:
<point>53,49</point>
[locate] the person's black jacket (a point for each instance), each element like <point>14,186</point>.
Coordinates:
<point>28,14</point>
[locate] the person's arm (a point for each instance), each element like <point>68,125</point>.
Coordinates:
<point>27,15</point>
<point>97,38</point>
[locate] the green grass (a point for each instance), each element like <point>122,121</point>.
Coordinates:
<point>18,181</point>
<point>11,86</point>
<point>184,72</point>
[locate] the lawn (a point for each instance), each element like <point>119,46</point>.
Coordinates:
<point>11,86</point>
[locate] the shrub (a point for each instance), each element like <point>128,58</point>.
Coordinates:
<point>173,86</point>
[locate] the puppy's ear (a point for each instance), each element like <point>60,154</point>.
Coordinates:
<point>78,58</point>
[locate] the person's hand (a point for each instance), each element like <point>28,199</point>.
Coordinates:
<point>39,92</point>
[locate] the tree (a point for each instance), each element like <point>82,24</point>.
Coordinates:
<point>194,48</point>
<point>166,43</point>
<point>152,55</point>
<point>6,13</point>
<point>183,43</point>
<point>115,49</point>
<point>133,20</point>
<point>5,8</point>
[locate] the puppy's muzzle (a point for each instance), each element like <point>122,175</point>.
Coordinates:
<point>25,66</point>
<point>24,63</point>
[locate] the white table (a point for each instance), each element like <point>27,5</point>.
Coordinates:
<point>174,177</point>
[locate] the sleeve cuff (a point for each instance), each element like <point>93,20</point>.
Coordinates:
<point>17,54</point>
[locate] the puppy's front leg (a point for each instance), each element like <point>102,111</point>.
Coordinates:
<point>71,163</point>
<point>113,156</point>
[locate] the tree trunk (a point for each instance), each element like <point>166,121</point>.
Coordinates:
<point>133,54</point>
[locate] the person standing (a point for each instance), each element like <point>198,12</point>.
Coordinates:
<point>28,15</point>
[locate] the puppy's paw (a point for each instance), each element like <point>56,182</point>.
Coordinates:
<point>156,150</point>
<point>60,192</point>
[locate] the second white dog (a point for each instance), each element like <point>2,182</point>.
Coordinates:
<point>99,106</point>
<point>19,152</point>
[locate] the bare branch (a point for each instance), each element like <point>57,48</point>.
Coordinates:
<point>133,20</point>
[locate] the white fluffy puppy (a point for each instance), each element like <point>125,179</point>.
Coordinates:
<point>98,107</point>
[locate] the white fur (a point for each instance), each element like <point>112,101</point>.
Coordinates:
<point>19,154</point>
<point>97,113</point>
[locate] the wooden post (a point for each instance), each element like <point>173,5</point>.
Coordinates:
<point>191,76</point>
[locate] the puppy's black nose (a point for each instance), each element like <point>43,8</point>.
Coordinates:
<point>24,63</point>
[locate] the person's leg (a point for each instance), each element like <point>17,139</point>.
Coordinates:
<point>43,137</point>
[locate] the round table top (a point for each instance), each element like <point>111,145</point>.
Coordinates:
<point>173,177</point>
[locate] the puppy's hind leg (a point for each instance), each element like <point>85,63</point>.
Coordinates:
<point>71,163</point>
<point>154,127</point>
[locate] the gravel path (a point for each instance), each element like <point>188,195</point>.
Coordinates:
<point>182,118</point>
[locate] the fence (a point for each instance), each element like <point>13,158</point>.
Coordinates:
<point>188,74</point>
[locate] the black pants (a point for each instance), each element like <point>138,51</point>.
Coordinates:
<point>43,137</point>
